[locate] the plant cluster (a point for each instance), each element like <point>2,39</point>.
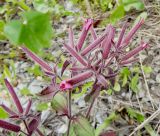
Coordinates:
<point>97,59</point>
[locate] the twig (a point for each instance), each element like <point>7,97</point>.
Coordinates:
<point>140,107</point>
<point>146,84</point>
<point>155,114</point>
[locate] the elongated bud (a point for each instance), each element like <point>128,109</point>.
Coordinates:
<point>8,110</point>
<point>33,124</point>
<point>35,58</point>
<point>125,62</point>
<point>83,36</point>
<point>14,96</point>
<point>71,37</point>
<point>9,126</point>
<point>78,69</point>
<point>28,107</point>
<point>134,51</point>
<point>76,55</point>
<point>132,32</point>
<point>93,33</point>
<point>65,65</point>
<point>93,45</point>
<point>68,84</point>
<point>106,44</point>
<point>121,35</point>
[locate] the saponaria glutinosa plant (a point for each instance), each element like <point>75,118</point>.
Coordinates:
<point>99,61</point>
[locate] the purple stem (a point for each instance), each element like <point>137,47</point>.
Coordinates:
<point>39,132</point>
<point>69,111</point>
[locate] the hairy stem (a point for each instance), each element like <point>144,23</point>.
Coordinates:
<point>69,125</point>
<point>97,91</point>
<point>90,108</point>
<point>69,111</point>
<point>25,123</point>
<point>24,132</point>
<point>39,132</point>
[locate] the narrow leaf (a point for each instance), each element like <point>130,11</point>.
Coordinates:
<point>106,44</point>
<point>126,62</point>
<point>93,45</point>
<point>35,58</point>
<point>65,65</point>
<point>134,51</point>
<point>33,125</point>
<point>93,33</point>
<point>76,55</point>
<point>121,35</point>
<point>71,37</point>
<point>28,107</point>
<point>132,32</point>
<point>83,35</point>
<point>8,110</point>
<point>9,126</point>
<point>14,96</point>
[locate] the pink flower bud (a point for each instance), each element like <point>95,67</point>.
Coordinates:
<point>70,83</point>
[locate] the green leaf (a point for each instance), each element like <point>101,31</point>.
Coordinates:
<point>150,130</point>
<point>13,30</point>
<point>2,24</point>
<point>42,106</point>
<point>109,91</point>
<point>140,118</point>
<point>135,115</point>
<point>7,72</point>
<point>117,14</point>
<point>147,69</point>
<point>59,103</point>
<point>81,127</point>
<point>133,4</point>
<point>134,83</point>
<point>25,91</point>
<point>125,71</point>
<point>35,70</point>
<point>71,131</point>
<point>84,90</point>
<point>106,123</point>
<point>3,114</point>
<point>117,87</point>
<point>104,4</point>
<point>34,30</point>
<point>142,15</point>
<point>136,69</point>
<point>125,79</point>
